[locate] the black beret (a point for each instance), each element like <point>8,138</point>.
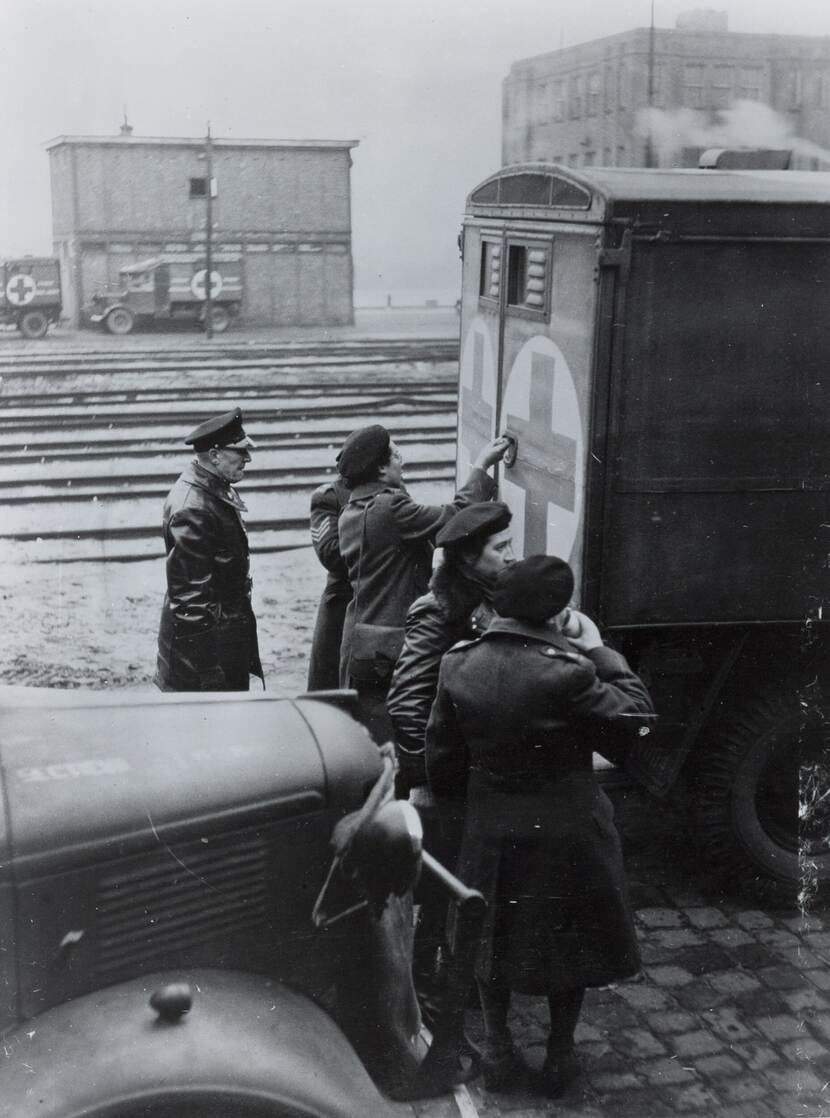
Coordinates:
<point>223,430</point>
<point>534,589</point>
<point>362,450</point>
<point>482,519</point>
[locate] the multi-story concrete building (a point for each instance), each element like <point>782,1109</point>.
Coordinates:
<point>283,206</point>
<point>583,105</point>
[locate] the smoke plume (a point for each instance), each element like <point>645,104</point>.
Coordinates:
<point>749,124</point>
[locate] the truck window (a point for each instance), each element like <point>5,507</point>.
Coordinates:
<point>527,278</point>
<point>198,188</point>
<point>489,281</point>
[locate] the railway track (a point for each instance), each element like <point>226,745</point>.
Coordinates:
<point>90,442</point>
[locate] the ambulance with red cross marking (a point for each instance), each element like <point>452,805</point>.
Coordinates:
<point>30,294</point>
<point>656,343</point>
<point>168,287</point>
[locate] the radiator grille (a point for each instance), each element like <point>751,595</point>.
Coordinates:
<point>173,901</point>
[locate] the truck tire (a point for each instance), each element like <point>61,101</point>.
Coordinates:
<point>220,319</point>
<point>120,321</point>
<point>746,789</point>
<point>33,324</point>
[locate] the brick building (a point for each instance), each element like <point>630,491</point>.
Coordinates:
<point>580,106</point>
<point>283,206</point>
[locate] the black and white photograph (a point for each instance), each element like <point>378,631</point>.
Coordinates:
<point>414,559</point>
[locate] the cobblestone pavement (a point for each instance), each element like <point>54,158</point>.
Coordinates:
<point>729,1017</point>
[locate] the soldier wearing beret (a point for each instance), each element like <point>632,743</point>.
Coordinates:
<point>327,502</point>
<point>513,729</point>
<point>386,540</point>
<point>476,545</point>
<point>207,636</point>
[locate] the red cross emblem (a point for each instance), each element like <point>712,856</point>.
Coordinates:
<point>198,284</point>
<point>547,460</point>
<point>21,289</point>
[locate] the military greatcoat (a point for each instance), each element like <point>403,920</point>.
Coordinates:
<point>207,636</point>
<point>513,728</point>
<point>327,502</point>
<point>386,540</point>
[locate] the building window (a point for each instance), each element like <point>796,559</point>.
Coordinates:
<point>792,89</point>
<point>198,188</point>
<point>559,100</point>
<point>818,99</point>
<point>527,277</point>
<point>750,82</point>
<point>559,159</point>
<point>610,89</point>
<point>489,280</point>
<point>722,87</point>
<point>622,86</point>
<point>573,159</point>
<point>694,86</point>
<point>576,97</point>
<point>606,157</point>
<point>588,158</point>
<point>621,156</point>
<point>594,93</point>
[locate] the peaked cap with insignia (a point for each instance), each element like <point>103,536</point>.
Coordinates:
<point>222,430</point>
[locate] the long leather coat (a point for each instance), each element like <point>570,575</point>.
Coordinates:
<point>386,540</point>
<point>513,728</point>
<point>207,636</point>
<point>430,632</point>
<point>327,502</point>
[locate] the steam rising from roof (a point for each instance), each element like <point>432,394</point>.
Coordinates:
<point>749,124</point>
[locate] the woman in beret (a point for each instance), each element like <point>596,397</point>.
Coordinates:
<point>386,541</point>
<point>518,714</point>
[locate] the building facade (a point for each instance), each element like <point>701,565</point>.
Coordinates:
<point>584,105</point>
<point>282,206</point>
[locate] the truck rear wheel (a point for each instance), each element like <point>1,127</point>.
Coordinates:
<point>220,320</point>
<point>33,324</point>
<point>120,321</point>
<point>751,815</point>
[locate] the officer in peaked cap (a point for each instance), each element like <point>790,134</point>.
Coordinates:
<point>518,714</point>
<point>224,430</point>
<point>208,636</point>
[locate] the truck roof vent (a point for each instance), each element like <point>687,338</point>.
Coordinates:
<point>745,159</point>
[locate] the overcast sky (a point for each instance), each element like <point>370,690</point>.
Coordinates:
<point>418,84</point>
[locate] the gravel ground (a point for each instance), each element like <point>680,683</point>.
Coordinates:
<point>95,624</point>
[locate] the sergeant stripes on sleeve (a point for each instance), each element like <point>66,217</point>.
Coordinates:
<point>318,531</point>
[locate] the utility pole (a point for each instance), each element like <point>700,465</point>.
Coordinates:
<point>649,144</point>
<point>209,234</point>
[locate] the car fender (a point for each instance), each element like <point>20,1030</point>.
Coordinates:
<point>99,313</point>
<point>247,1041</point>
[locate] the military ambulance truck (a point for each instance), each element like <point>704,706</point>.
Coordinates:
<point>30,294</point>
<point>656,342</point>
<point>166,287</point>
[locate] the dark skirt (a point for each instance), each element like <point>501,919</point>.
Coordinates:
<point>549,864</point>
